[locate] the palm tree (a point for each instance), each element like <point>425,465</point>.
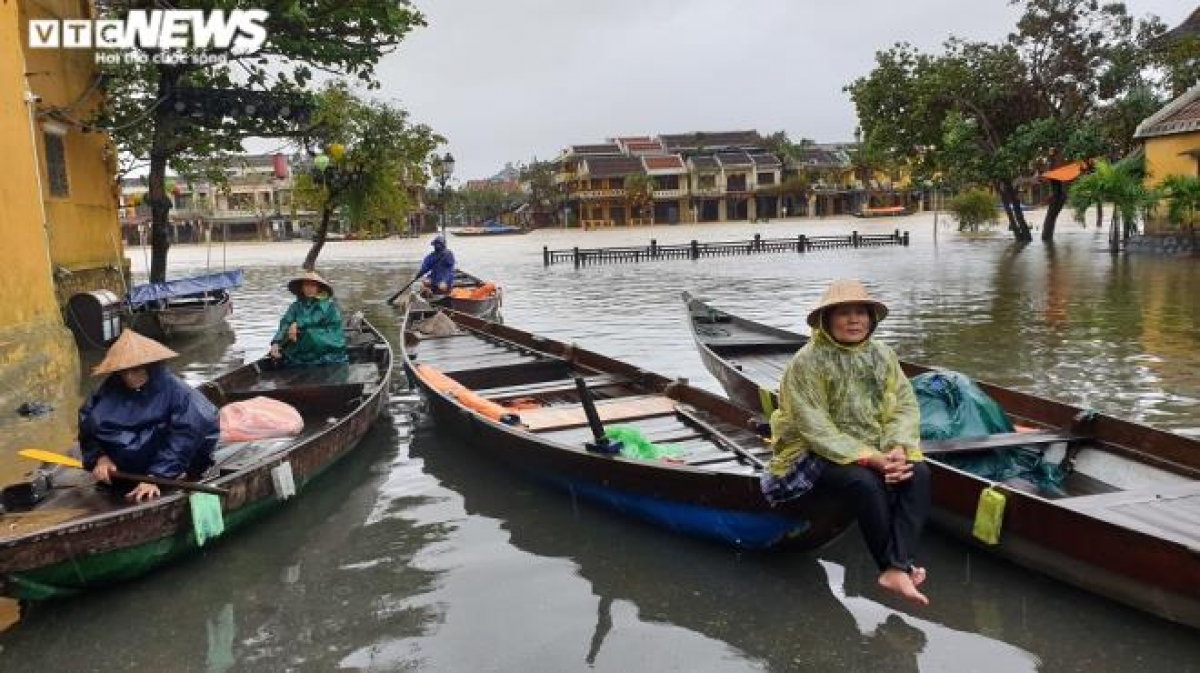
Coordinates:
<point>1119,184</point>
<point>1182,194</point>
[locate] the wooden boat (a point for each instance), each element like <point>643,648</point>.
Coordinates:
<point>490,228</point>
<point>712,491</point>
<point>78,537</point>
<point>886,211</point>
<point>470,295</point>
<point>1127,528</point>
<point>185,307</point>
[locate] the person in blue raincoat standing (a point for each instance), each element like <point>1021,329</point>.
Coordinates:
<point>439,265</point>
<point>145,420</point>
<point>311,331</point>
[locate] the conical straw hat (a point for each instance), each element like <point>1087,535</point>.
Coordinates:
<point>132,350</point>
<point>293,285</point>
<point>846,291</point>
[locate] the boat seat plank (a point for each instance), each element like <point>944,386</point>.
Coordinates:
<point>556,386</point>
<point>650,427</point>
<point>469,363</point>
<point>307,377</point>
<point>1167,511</point>
<point>997,441</point>
<point>612,410</point>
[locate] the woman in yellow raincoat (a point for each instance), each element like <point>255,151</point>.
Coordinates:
<point>848,423</point>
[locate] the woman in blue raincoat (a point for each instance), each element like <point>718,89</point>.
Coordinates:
<point>144,420</point>
<point>311,331</point>
<point>848,423</point>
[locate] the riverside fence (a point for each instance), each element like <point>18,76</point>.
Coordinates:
<point>696,249</point>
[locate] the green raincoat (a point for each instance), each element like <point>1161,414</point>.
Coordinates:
<point>321,340</point>
<point>843,403</point>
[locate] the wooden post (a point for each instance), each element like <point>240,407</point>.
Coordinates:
<point>577,257</point>
<point>896,236</point>
<point>906,239</point>
<point>801,243</point>
<point>854,238</point>
<point>545,255</point>
<point>695,249</point>
<point>757,242</point>
<point>653,249</point>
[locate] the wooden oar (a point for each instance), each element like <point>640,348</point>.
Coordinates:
<point>392,299</point>
<point>68,461</point>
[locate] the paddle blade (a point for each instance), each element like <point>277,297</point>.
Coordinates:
<point>50,457</point>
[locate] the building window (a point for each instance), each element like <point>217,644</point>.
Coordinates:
<point>766,179</point>
<point>736,183</point>
<point>56,165</point>
<point>708,182</point>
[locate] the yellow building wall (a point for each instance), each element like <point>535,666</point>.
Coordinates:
<point>1168,155</point>
<point>84,231</point>
<point>38,359</point>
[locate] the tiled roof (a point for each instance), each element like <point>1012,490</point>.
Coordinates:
<point>734,159</point>
<point>610,167</point>
<point>668,163</point>
<point>605,148</point>
<point>821,158</point>
<point>1181,115</point>
<point>765,161</point>
<point>644,147</point>
<point>719,139</point>
<point>704,162</point>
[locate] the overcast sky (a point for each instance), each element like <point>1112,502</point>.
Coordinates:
<point>507,80</point>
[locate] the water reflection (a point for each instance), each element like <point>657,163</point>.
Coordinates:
<point>440,560</point>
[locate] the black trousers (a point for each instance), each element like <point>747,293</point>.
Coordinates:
<point>891,517</point>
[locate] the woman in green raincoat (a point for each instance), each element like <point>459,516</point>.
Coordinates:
<point>310,333</point>
<point>848,423</point>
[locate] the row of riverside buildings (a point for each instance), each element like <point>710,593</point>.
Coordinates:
<point>717,177</point>
<point>254,202</point>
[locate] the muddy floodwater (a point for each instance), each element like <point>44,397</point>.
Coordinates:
<point>416,553</point>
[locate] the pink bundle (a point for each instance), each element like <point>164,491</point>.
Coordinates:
<point>259,418</point>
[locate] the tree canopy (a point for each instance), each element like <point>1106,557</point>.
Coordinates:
<point>1068,83</point>
<point>174,112</point>
<point>373,155</point>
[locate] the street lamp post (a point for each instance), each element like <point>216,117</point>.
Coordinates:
<point>442,168</point>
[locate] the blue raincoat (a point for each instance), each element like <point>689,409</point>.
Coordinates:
<point>165,429</point>
<point>439,264</point>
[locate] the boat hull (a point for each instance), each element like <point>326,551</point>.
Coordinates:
<point>109,547</point>
<point>1156,575</point>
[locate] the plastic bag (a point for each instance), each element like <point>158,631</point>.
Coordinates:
<point>952,405</point>
<point>259,418</point>
<point>635,445</point>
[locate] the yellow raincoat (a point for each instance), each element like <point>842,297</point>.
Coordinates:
<point>843,403</point>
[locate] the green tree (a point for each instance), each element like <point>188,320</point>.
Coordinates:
<point>1182,196</point>
<point>1119,184</point>
<point>479,204</point>
<point>639,193</point>
<point>543,194</point>
<point>174,114</point>
<point>990,113</point>
<point>374,155</point>
<point>973,208</point>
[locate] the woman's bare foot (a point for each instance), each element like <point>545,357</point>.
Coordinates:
<point>918,576</point>
<point>900,583</point>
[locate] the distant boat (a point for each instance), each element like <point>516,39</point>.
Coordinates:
<point>182,307</point>
<point>889,211</point>
<point>490,228</point>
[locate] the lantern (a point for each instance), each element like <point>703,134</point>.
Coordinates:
<point>170,186</point>
<point>337,151</point>
<point>321,162</point>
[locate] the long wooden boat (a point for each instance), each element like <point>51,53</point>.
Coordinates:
<point>1128,526</point>
<point>711,490</point>
<point>78,537</point>
<point>470,295</point>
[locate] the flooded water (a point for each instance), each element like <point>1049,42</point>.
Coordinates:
<point>417,553</point>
